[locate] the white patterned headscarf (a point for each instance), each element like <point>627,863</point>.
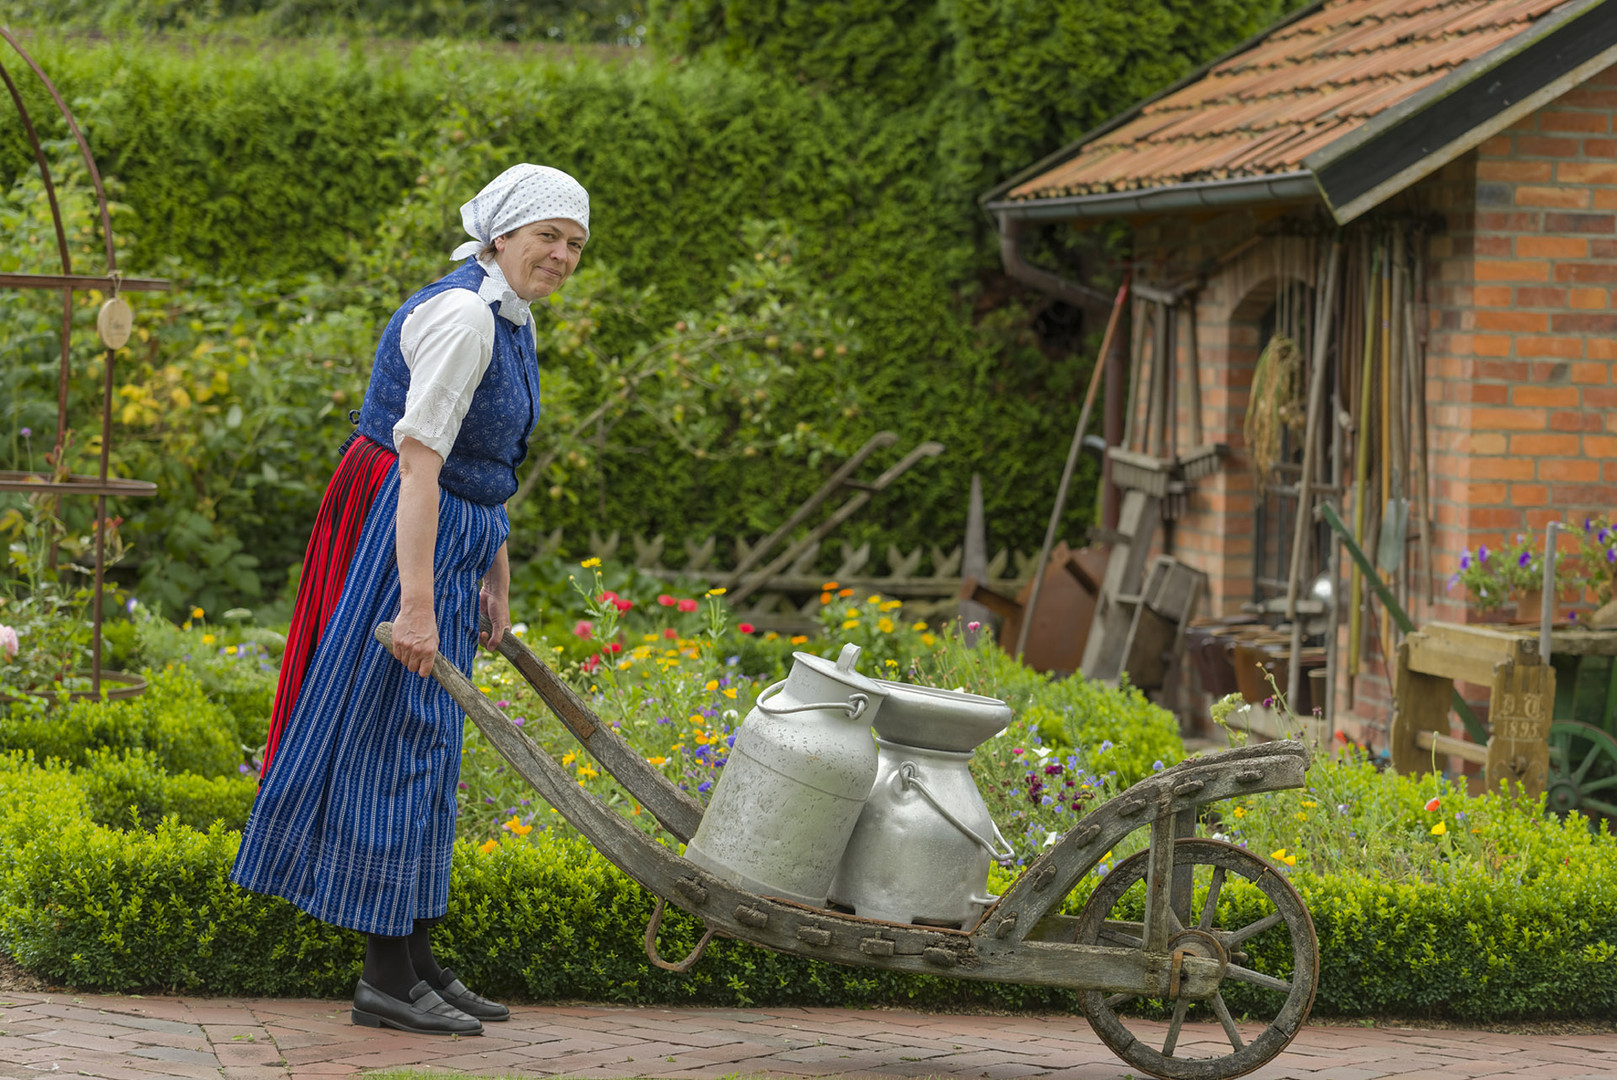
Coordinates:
<point>520,195</point>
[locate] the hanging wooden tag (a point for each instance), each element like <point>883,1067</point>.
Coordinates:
<point>115,322</point>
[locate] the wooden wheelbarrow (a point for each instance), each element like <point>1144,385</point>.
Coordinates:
<point>1151,930</point>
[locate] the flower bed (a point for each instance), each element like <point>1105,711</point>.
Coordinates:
<point>1427,902</point>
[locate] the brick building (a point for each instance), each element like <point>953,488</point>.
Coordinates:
<point>1475,141</point>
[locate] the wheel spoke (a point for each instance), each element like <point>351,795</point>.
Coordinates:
<point>1222,1011</point>
<point>1237,936</point>
<point>1598,804</point>
<point>1212,898</point>
<point>1586,765</point>
<point>1119,999</point>
<point>1174,1025</point>
<point>1599,785</point>
<point>1257,978</point>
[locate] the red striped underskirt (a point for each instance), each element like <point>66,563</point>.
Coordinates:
<point>337,529</point>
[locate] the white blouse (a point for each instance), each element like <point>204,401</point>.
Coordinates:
<point>448,342</point>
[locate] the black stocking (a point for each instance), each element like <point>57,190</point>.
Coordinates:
<point>388,966</point>
<point>421,958</point>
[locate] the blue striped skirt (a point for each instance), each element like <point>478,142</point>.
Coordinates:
<point>355,821</point>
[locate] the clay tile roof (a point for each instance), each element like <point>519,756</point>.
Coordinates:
<point>1290,93</point>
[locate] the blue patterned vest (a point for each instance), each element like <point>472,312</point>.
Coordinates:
<point>493,438</point>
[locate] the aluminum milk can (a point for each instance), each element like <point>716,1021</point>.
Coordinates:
<point>797,778</point>
<point>921,849</point>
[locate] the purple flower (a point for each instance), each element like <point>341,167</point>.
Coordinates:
<point>242,768</point>
<point>1572,616</point>
<point>705,786</point>
<point>27,433</point>
<point>1106,744</point>
<point>1268,702</point>
<point>1453,581</point>
<point>1482,553</point>
<point>462,786</point>
<point>1465,559</point>
<point>1611,554</point>
<point>502,704</point>
<point>1524,558</point>
<point>517,721</point>
<point>1156,766</point>
<point>1602,534</point>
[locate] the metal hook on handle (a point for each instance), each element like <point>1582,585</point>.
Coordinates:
<point>855,705</point>
<point>651,944</point>
<point>905,777</point>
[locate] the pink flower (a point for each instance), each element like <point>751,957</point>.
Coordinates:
<point>583,628</point>
<point>687,605</point>
<point>1432,805</point>
<point>8,641</point>
<point>666,601</point>
<point>746,627</point>
<point>592,663</point>
<point>974,626</point>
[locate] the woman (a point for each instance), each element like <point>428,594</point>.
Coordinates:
<point>355,817</point>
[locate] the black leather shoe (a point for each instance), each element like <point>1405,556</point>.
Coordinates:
<point>454,991</point>
<point>426,1013</point>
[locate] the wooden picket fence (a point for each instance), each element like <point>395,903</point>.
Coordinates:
<point>927,579</point>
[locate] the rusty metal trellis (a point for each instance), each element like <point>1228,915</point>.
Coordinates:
<point>99,485</point>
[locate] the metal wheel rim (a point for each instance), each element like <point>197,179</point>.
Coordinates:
<point>1589,783</point>
<point>1289,1018</point>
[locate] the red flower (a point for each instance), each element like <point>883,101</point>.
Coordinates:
<point>746,627</point>
<point>622,605</point>
<point>583,628</point>
<point>612,647</point>
<point>592,663</point>
<point>666,601</point>
<point>670,633</point>
<point>1432,805</point>
<point>608,595</point>
<point>687,605</point>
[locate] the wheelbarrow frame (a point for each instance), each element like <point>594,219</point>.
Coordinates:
<point>1017,938</point>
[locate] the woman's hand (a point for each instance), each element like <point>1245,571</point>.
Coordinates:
<point>495,599</point>
<point>415,638</point>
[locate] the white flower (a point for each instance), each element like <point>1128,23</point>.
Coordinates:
<point>1050,839</point>
<point>8,641</point>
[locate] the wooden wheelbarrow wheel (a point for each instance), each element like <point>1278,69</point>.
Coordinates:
<point>1268,925</point>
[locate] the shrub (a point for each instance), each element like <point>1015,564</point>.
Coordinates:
<point>173,719</point>
<point>126,788</point>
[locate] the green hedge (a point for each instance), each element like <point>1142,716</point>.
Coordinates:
<point>130,788</point>
<point>174,721</point>
<point>245,167</point>
<point>100,909</point>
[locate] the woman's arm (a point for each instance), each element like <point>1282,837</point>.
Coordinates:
<point>415,629</point>
<point>496,598</point>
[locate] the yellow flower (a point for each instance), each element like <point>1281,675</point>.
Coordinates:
<point>699,720</point>
<point>771,636</point>
<point>884,625</point>
<point>919,625</point>
<point>890,663</point>
<point>799,639</point>
<point>1291,860</point>
<point>876,599</point>
<point>488,846</point>
<point>730,693</point>
<point>928,640</point>
<point>892,605</point>
<point>197,613</point>
<point>648,637</point>
<point>659,760</point>
<point>712,685</point>
<point>717,590</point>
<point>1278,856</point>
<point>207,639</point>
<point>590,563</point>
<point>623,665</point>
<point>1301,816</point>
<point>230,650</point>
<point>701,739</point>
<point>515,825</point>
<point>1239,812</point>
<point>1439,829</point>
<point>587,773</point>
<point>850,624</point>
<point>568,758</point>
<point>1309,803</point>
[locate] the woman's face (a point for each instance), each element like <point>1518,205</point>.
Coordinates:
<point>541,255</point>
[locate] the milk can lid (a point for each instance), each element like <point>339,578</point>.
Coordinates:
<point>843,670</point>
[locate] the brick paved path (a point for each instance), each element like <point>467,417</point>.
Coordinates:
<point>140,1038</point>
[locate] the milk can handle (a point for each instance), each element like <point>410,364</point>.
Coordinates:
<point>906,778</point>
<point>855,705</point>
